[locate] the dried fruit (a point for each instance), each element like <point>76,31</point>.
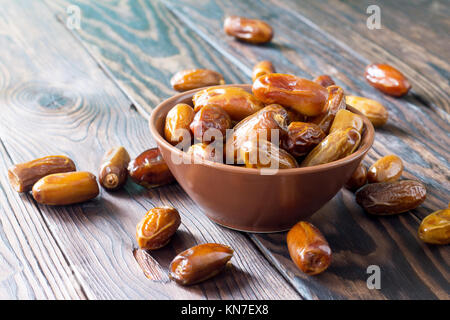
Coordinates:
<point>113,170</point>
<point>199,263</point>
<point>66,188</point>
<point>211,152</point>
<point>388,168</point>
<point>210,124</point>
<point>237,102</point>
<point>324,80</point>
<point>308,248</point>
<point>195,78</point>
<point>387,79</point>
<point>261,125</point>
<point>264,154</point>
<point>262,68</point>
<point>358,178</point>
<point>345,119</point>
<point>435,228</point>
<point>149,169</point>
<point>23,176</point>
<point>302,137</point>
<point>335,102</point>
<point>176,128</point>
<point>248,30</point>
<point>335,146</point>
<point>302,95</point>
<point>387,198</point>
<point>373,110</point>
<point>157,227</point>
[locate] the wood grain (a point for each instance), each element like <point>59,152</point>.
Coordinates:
<point>58,101</point>
<point>418,131</point>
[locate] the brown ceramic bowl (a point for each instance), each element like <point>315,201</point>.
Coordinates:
<point>243,199</point>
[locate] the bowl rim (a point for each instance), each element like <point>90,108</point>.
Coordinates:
<point>172,101</point>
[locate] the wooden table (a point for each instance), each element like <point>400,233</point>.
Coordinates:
<point>79,92</point>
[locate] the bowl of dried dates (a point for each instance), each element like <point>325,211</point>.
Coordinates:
<point>261,157</point>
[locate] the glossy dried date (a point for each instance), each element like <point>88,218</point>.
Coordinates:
<point>302,95</point>
<point>387,198</point>
<point>335,146</point>
<point>23,176</point>
<point>335,102</point>
<point>324,80</point>
<point>257,126</point>
<point>264,154</point>
<point>262,68</point>
<point>66,188</point>
<point>211,152</point>
<point>388,168</point>
<point>195,78</point>
<point>387,79</point>
<point>199,263</point>
<point>113,170</point>
<point>149,169</point>
<point>210,124</point>
<point>373,110</point>
<point>157,227</point>
<point>237,102</point>
<point>435,228</point>
<point>308,248</point>
<point>302,137</point>
<point>248,30</point>
<point>176,127</point>
<point>345,119</point>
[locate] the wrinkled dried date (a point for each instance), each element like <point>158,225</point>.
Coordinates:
<point>373,110</point>
<point>176,128</point>
<point>210,124</point>
<point>358,178</point>
<point>23,176</point>
<point>211,152</point>
<point>386,169</point>
<point>308,248</point>
<point>387,198</point>
<point>259,126</point>
<point>157,227</point>
<point>262,68</point>
<point>302,137</point>
<point>248,30</point>
<point>113,170</point>
<point>199,263</point>
<point>387,79</point>
<point>345,119</point>
<point>195,78</point>
<point>237,102</point>
<point>435,228</point>
<point>324,80</point>
<point>66,188</point>
<point>335,102</point>
<point>302,95</point>
<point>149,169</point>
<point>264,154</point>
<point>335,146</point>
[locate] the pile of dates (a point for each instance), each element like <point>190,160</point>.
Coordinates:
<point>54,180</point>
<point>286,122</point>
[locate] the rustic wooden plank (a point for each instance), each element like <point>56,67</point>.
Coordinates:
<point>57,101</point>
<point>33,265</point>
<point>143,45</point>
<point>418,131</point>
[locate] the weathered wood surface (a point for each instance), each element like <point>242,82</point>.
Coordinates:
<point>56,100</point>
<point>417,131</point>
